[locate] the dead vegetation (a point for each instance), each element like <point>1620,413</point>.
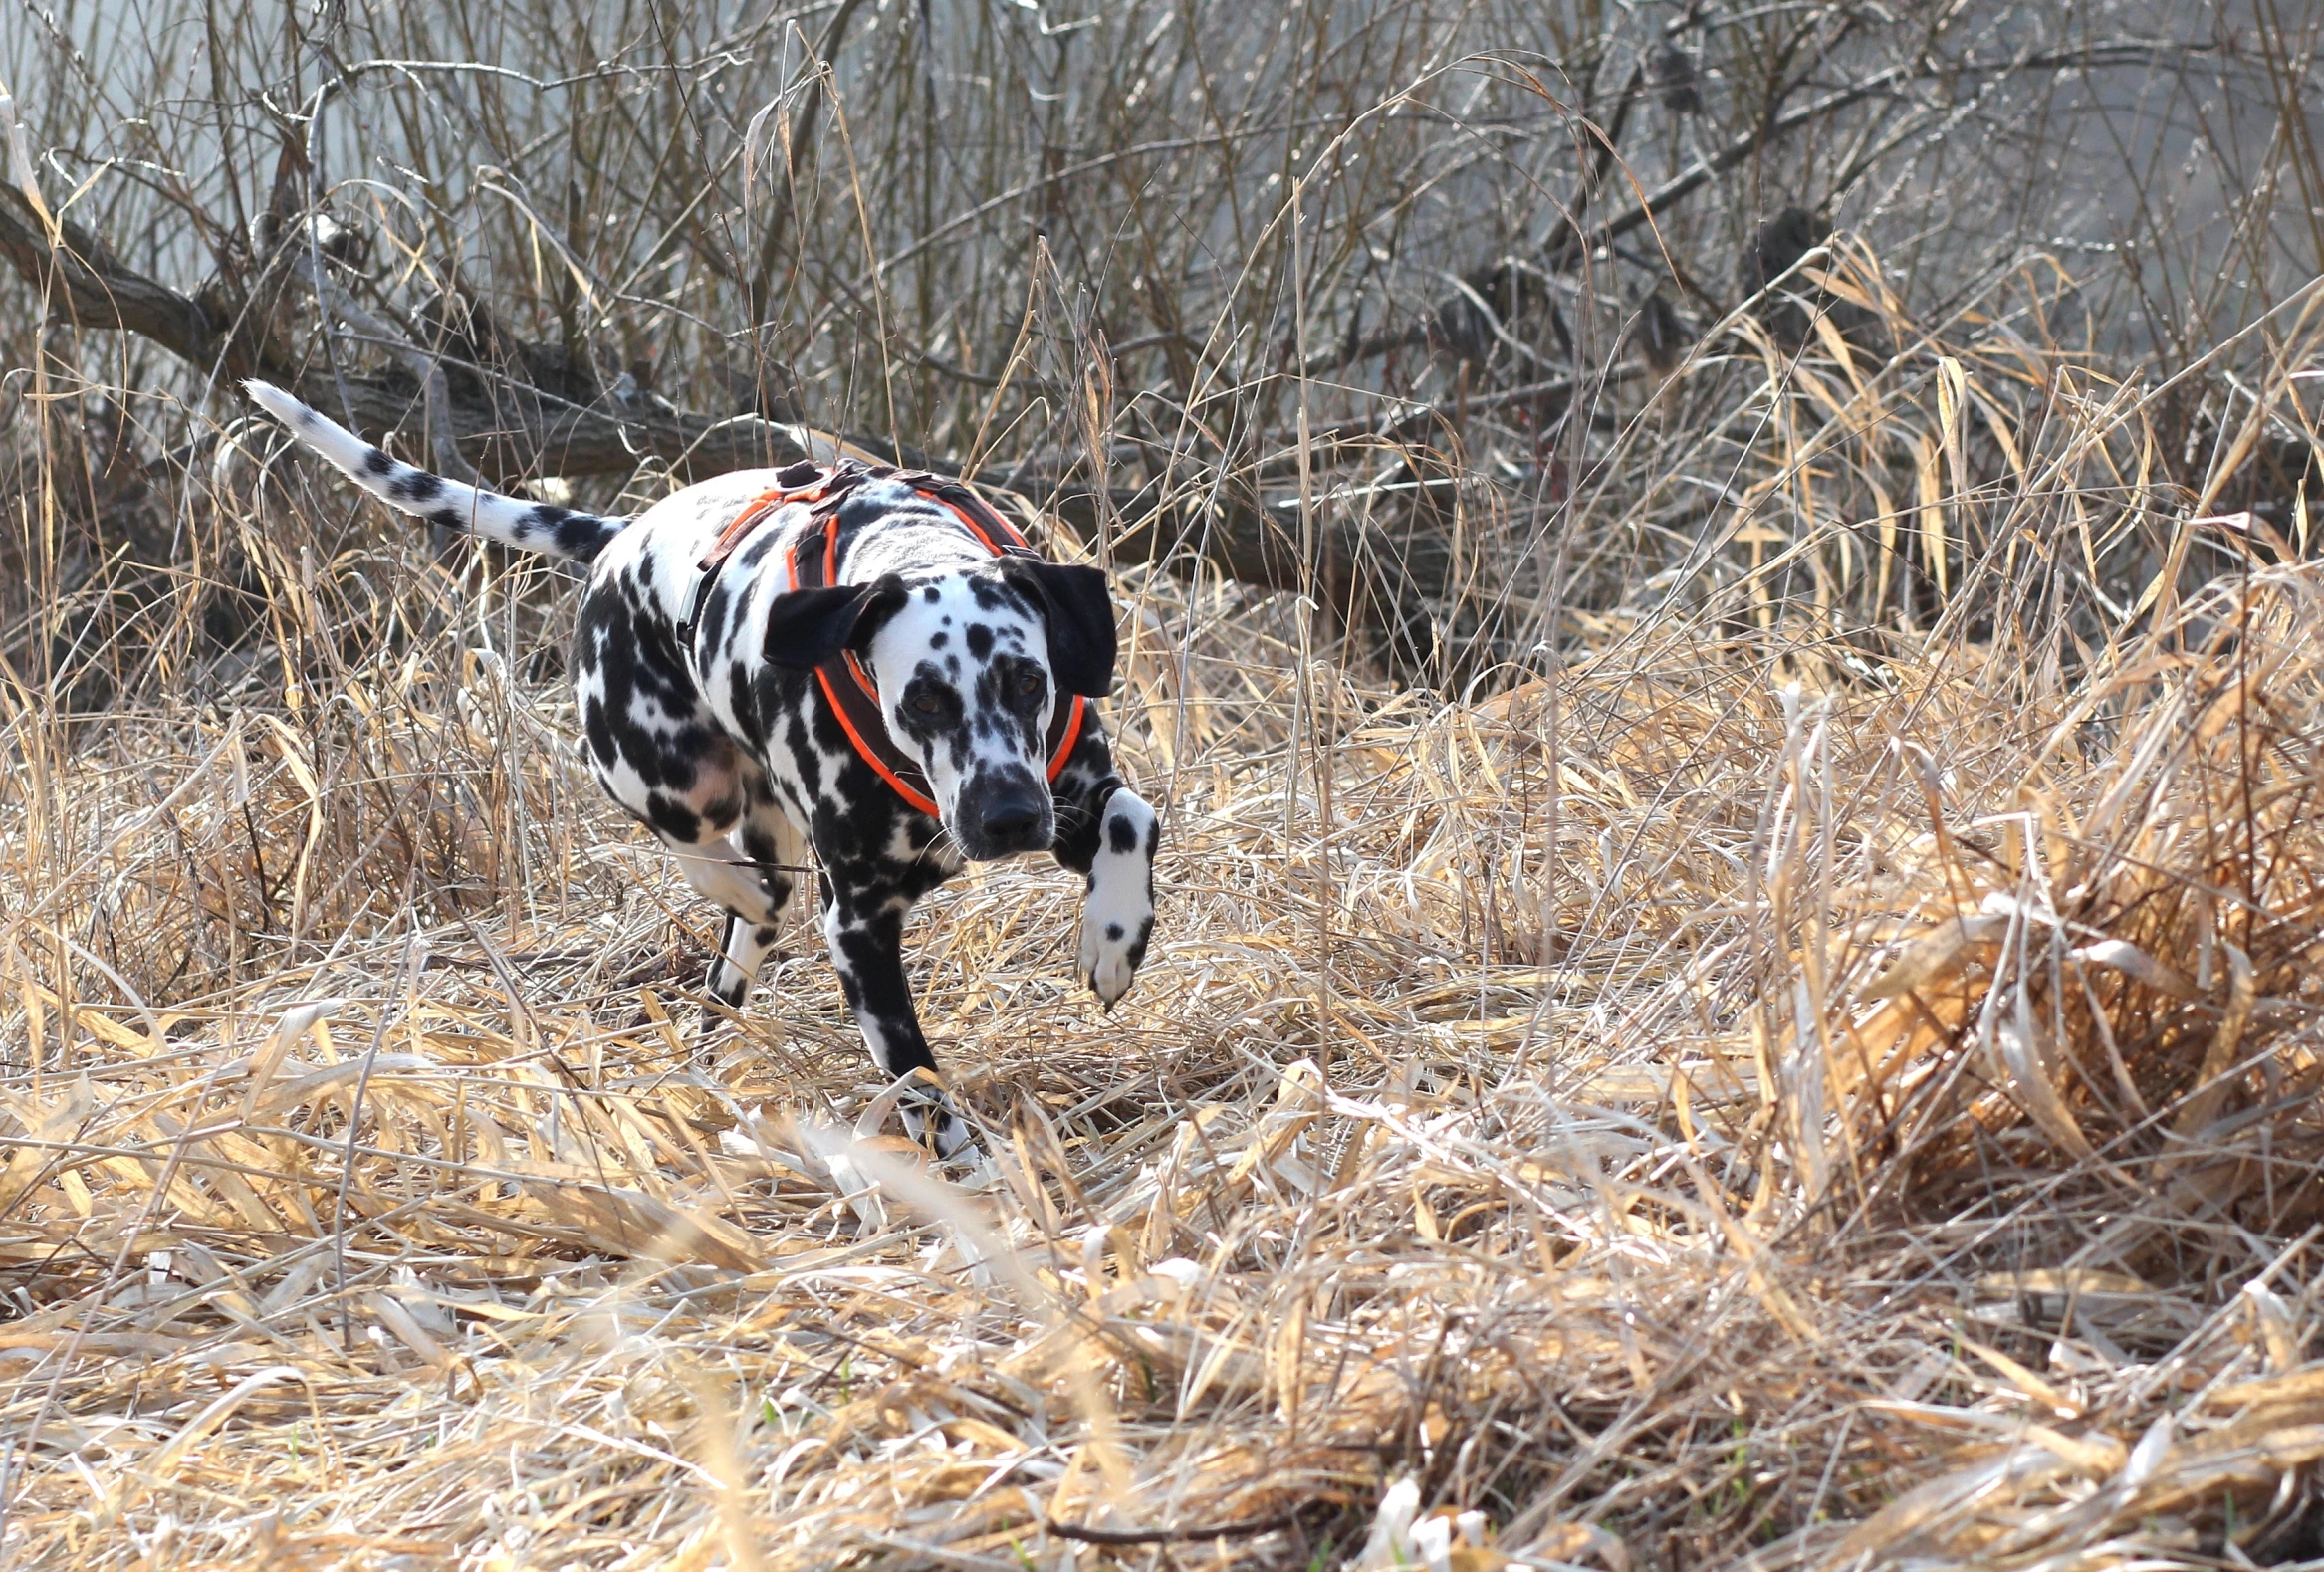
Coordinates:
<point>1764,1013</point>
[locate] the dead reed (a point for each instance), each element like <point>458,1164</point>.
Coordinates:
<point>1784,1037</point>
<point>1727,1102</point>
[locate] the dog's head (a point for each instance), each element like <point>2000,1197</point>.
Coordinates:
<point>970,665</point>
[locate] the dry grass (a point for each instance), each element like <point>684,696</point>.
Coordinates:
<point>1804,1055</point>
<point>1884,1127</point>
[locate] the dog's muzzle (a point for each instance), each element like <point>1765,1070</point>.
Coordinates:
<point>1000,815</point>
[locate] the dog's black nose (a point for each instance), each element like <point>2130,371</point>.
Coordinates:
<point>1014,825</point>
<point>1002,818</point>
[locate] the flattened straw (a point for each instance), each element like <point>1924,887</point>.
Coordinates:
<point>408,969</point>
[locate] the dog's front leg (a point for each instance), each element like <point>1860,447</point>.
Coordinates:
<point>863,923</point>
<point>1107,834</point>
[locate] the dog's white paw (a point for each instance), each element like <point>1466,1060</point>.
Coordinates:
<point>1106,968</point>
<point>1118,917</point>
<point>932,1122</point>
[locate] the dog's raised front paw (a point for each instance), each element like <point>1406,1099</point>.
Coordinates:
<point>1118,917</point>
<point>1107,966</point>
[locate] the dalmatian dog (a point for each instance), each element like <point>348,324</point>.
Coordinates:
<point>707,715</point>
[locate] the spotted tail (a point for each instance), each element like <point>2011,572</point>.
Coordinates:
<point>512,521</point>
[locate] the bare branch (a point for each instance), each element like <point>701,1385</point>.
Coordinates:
<point>89,287</point>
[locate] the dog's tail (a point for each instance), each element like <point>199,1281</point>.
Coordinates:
<point>512,521</point>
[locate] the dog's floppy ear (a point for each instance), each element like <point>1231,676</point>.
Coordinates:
<point>810,627</point>
<point>1079,619</point>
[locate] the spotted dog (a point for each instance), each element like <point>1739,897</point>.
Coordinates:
<point>704,667</point>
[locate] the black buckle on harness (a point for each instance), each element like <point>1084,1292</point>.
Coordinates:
<point>690,623</point>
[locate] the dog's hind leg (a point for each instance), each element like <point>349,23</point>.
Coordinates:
<point>730,870</point>
<point>699,821</point>
<point>718,869</point>
<point>770,847</point>
<point>713,835</point>
<point>660,754</point>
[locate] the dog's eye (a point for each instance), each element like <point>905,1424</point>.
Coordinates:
<point>1028,683</point>
<point>925,704</point>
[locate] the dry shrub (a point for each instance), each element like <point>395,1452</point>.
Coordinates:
<point>1738,1094</point>
<point>2120,975</point>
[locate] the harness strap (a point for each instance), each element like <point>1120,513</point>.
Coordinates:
<point>812,563</point>
<point>801,482</point>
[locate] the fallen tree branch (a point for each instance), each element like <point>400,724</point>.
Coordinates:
<point>335,300</point>
<point>81,281</point>
<point>511,431</point>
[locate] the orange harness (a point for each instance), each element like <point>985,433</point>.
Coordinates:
<point>812,563</point>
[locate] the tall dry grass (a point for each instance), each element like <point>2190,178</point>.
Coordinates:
<point>1791,1044</point>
